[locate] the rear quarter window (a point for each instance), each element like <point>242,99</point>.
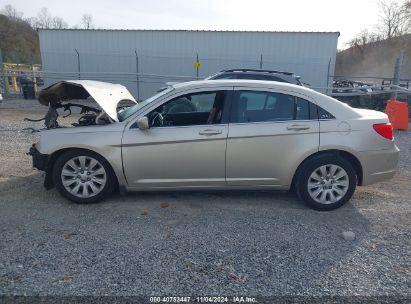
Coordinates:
<point>323,114</point>
<point>317,112</point>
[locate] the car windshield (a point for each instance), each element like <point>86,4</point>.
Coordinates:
<point>124,114</point>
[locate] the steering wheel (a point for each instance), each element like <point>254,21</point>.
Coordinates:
<point>157,120</point>
<point>181,106</point>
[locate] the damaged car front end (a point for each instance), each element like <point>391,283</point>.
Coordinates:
<point>106,95</point>
<point>91,126</point>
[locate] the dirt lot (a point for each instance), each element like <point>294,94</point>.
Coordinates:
<point>205,243</point>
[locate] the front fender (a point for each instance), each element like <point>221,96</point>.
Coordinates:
<point>107,144</point>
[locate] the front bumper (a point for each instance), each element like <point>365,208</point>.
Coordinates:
<point>40,161</point>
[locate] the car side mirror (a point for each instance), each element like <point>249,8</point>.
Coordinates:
<point>142,123</point>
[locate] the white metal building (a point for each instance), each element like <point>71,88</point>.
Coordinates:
<point>166,55</point>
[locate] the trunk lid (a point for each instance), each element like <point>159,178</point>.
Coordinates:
<point>371,114</point>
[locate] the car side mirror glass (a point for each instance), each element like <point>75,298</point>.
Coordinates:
<point>142,123</point>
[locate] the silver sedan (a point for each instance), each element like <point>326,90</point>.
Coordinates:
<point>219,134</point>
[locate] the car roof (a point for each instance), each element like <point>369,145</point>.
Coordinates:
<point>244,82</point>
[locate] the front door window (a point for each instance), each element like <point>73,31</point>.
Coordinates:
<point>204,108</point>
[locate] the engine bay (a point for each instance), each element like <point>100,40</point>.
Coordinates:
<point>89,115</point>
<point>58,96</point>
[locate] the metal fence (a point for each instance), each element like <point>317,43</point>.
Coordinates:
<point>145,74</point>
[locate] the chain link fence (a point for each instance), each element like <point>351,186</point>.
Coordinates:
<point>144,74</point>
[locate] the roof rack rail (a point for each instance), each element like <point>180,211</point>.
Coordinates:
<point>258,70</point>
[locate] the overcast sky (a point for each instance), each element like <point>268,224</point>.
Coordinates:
<point>346,16</point>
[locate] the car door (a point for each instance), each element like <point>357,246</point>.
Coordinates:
<point>185,147</point>
<point>271,132</point>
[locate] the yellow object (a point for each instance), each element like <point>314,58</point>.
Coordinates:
<point>13,70</point>
<point>196,64</point>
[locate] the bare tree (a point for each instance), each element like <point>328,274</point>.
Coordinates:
<point>363,38</point>
<point>407,7</point>
<point>394,18</point>
<point>58,23</point>
<point>11,12</point>
<point>43,19</point>
<point>87,21</point>
<point>46,21</point>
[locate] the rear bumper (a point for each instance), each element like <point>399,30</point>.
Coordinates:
<point>379,165</point>
<point>40,161</point>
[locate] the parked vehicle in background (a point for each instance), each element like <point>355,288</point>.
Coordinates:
<point>1,97</point>
<point>403,83</point>
<point>252,74</point>
<point>255,74</point>
<point>218,134</point>
<point>351,86</point>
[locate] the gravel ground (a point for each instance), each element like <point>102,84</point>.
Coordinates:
<point>204,243</point>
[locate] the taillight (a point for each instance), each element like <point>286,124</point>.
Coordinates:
<point>384,129</point>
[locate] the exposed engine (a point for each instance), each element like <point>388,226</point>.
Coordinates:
<point>90,115</point>
<point>107,95</point>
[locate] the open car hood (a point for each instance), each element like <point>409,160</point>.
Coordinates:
<point>106,94</point>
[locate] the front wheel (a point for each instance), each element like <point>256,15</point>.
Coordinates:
<point>83,176</point>
<point>326,182</point>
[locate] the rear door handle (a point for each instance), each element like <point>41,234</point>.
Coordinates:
<point>297,127</point>
<point>210,132</point>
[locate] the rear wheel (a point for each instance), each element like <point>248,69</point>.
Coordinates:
<point>326,182</point>
<point>83,176</point>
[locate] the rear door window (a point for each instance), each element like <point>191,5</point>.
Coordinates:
<point>302,109</point>
<point>255,106</point>
<point>260,106</point>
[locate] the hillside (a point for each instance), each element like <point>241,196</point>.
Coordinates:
<point>375,59</point>
<point>18,41</point>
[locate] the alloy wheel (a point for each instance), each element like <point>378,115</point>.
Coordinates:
<point>328,184</point>
<point>83,176</point>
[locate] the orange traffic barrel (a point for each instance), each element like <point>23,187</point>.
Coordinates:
<point>397,112</point>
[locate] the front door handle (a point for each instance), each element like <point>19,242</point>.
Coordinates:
<point>298,127</point>
<point>210,132</point>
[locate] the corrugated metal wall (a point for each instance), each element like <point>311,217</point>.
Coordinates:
<point>111,55</point>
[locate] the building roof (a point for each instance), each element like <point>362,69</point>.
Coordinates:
<point>203,31</point>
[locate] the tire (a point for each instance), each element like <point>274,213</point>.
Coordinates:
<point>326,182</point>
<point>71,175</point>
